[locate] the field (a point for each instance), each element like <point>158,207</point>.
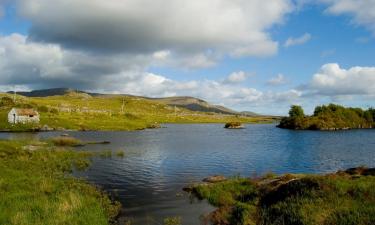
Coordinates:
<point>77,111</point>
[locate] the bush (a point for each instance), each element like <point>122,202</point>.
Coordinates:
<point>329,117</point>
<point>6,102</point>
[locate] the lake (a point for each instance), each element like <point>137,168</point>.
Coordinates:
<point>159,163</point>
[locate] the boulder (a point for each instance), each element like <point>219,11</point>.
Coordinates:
<point>214,179</point>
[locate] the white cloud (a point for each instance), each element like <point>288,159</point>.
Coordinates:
<point>332,80</point>
<point>237,77</point>
<point>278,80</point>
<point>237,28</point>
<point>363,11</point>
<point>29,65</point>
<point>297,41</point>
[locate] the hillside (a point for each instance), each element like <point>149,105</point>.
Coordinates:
<point>82,111</point>
<point>195,104</point>
<point>190,103</point>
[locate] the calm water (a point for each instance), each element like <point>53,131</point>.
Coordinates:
<point>160,162</point>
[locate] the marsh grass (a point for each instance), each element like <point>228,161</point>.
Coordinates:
<point>105,154</point>
<point>333,199</point>
<point>67,141</point>
<point>36,188</point>
<point>120,154</point>
<point>172,221</point>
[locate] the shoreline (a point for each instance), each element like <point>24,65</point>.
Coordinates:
<point>127,130</point>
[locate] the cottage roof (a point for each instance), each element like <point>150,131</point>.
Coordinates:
<point>26,112</point>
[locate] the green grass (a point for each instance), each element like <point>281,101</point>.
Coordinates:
<point>36,187</point>
<point>105,113</point>
<point>334,199</point>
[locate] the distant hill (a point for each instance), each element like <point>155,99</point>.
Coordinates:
<point>47,92</point>
<point>195,104</point>
<point>191,103</point>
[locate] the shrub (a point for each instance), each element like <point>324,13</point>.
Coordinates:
<point>6,102</point>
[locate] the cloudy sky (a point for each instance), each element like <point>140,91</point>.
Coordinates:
<point>251,55</point>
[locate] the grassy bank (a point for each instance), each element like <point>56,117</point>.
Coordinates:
<point>344,198</point>
<point>83,112</point>
<point>36,187</point>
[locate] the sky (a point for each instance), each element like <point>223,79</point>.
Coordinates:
<point>249,55</point>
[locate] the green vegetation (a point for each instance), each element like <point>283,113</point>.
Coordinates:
<point>78,111</point>
<point>36,187</point>
<point>333,199</point>
<point>233,125</point>
<point>66,141</point>
<point>172,221</point>
<point>120,154</point>
<point>330,117</point>
<point>105,154</point>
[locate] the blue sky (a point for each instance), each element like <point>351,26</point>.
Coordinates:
<point>240,63</point>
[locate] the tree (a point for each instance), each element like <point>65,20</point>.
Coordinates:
<point>296,111</point>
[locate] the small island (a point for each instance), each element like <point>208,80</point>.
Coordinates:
<point>234,125</point>
<point>329,117</point>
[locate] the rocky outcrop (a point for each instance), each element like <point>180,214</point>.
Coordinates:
<point>234,125</point>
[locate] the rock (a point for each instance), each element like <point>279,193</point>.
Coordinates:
<point>30,147</point>
<point>214,179</point>
<point>234,125</point>
<point>46,128</point>
<point>154,126</point>
<point>360,171</point>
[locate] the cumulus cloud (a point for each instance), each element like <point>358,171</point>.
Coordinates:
<point>48,65</point>
<point>297,41</point>
<point>278,80</point>
<point>238,28</point>
<point>237,77</point>
<point>29,65</point>
<point>363,11</point>
<point>332,80</point>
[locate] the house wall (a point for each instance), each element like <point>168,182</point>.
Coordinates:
<point>21,119</point>
<point>11,117</point>
<point>27,119</point>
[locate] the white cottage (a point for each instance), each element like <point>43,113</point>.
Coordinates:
<point>23,116</point>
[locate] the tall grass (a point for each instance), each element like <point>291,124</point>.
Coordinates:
<point>334,199</point>
<point>36,188</point>
<point>66,141</point>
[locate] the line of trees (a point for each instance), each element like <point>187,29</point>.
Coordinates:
<point>329,117</point>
